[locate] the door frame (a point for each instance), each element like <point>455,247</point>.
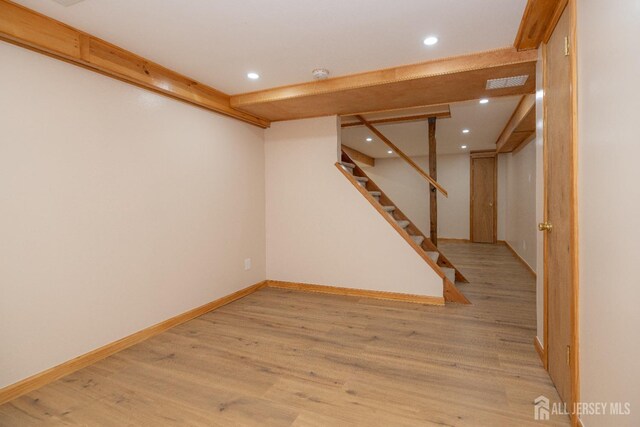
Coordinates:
<point>573,201</point>
<point>478,154</point>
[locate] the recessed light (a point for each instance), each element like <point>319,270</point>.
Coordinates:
<point>465,130</point>
<point>253,76</point>
<point>463,147</point>
<point>430,41</point>
<point>484,101</point>
<point>369,139</point>
<point>389,152</point>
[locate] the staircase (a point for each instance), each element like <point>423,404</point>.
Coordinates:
<point>403,225</point>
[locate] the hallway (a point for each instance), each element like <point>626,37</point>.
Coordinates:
<point>281,358</point>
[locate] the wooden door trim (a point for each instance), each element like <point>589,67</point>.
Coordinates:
<point>495,199</point>
<point>481,154</point>
<point>545,248</point>
<point>575,371</point>
<point>573,201</point>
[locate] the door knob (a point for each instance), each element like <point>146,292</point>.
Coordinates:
<point>545,226</point>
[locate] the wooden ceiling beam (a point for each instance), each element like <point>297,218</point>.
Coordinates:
<point>359,156</point>
<point>538,21</point>
<point>521,126</point>
<point>27,28</point>
<point>454,79</point>
<point>401,119</point>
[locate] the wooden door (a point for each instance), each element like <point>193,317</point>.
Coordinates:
<point>483,199</point>
<point>560,240</point>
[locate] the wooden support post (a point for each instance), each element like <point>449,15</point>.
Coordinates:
<point>433,172</point>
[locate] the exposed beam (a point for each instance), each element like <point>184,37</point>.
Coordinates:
<point>403,156</point>
<point>433,171</point>
<point>404,115</point>
<point>538,21</point>
<point>454,79</point>
<point>27,28</point>
<point>478,154</point>
<point>520,127</point>
<point>358,156</point>
<point>403,119</point>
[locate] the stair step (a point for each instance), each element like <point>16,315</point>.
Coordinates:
<point>403,224</point>
<point>450,273</point>
<point>362,181</point>
<point>376,194</point>
<point>433,255</point>
<point>348,170</point>
<point>389,209</point>
<point>418,239</point>
<point>348,167</point>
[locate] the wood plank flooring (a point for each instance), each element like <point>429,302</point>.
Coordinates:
<point>290,358</point>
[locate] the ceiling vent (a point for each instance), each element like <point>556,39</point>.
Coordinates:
<point>507,82</point>
<point>67,2</point>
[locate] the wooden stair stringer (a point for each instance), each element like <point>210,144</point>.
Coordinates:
<point>427,245</point>
<point>453,294</point>
<point>450,291</point>
<point>392,221</point>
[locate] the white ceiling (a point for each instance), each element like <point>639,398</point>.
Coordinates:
<point>484,121</point>
<point>218,41</point>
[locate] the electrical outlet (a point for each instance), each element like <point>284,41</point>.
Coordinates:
<point>247,264</point>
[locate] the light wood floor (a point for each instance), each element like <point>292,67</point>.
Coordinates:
<point>288,358</point>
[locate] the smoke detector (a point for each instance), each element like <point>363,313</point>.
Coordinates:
<point>507,82</point>
<point>67,3</point>
<point>320,74</point>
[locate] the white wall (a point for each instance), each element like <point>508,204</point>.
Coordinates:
<point>410,192</point>
<point>320,229</point>
<point>520,206</point>
<point>119,208</point>
<point>609,205</point>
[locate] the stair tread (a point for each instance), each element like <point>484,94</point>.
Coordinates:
<point>418,239</point>
<point>347,169</point>
<point>361,178</point>
<point>433,255</point>
<point>349,165</point>
<point>403,223</point>
<point>375,193</point>
<point>450,273</point>
<point>390,208</point>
